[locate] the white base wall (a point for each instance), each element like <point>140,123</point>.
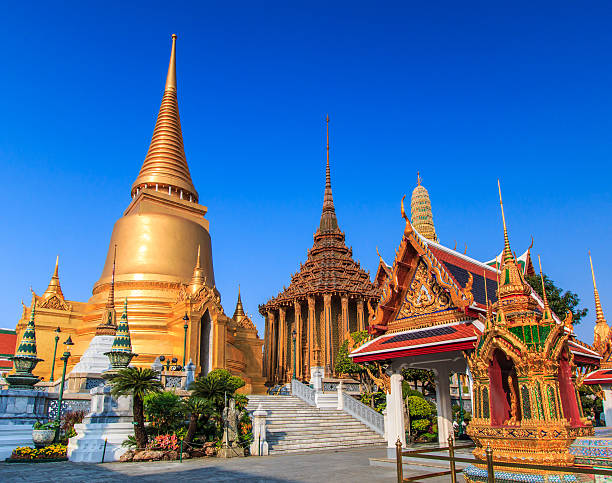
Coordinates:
<point>12,436</point>
<point>88,445</point>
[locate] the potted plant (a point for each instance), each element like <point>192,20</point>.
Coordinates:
<point>43,434</point>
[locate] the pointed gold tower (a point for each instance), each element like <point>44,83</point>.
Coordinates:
<point>165,167</point>
<point>602,329</point>
<point>420,212</point>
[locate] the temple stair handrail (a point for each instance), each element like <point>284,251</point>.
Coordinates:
<point>304,392</point>
<point>368,416</point>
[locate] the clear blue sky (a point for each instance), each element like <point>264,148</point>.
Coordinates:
<point>465,93</point>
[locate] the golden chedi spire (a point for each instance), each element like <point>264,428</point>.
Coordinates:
<point>511,273</point>
<point>108,325</point>
<point>329,222</point>
<point>420,212</point>
<point>240,317</point>
<point>602,329</point>
<point>165,166</point>
<point>54,287</point>
<point>198,280</point>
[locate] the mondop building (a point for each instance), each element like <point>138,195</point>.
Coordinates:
<point>160,259</point>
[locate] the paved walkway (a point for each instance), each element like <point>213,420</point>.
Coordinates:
<point>322,467</point>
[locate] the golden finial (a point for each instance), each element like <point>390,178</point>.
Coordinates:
<point>418,178</point>
<point>599,315</point>
<point>455,247</point>
<point>547,314</point>
<point>507,254</point>
<point>404,216</point>
<point>198,259</point>
<point>56,271</point>
<point>171,77</point>
<point>327,128</point>
<point>465,251</point>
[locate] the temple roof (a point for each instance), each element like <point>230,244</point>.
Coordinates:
<point>165,164</point>
<point>329,267</point>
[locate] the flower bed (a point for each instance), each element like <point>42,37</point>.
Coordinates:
<point>51,452</point>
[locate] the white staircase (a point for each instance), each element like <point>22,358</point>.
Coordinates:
<point>293,426</point>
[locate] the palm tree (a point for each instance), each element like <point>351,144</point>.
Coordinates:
<point>196,406</point>
<point>215,390</point>
<point>136,382</point>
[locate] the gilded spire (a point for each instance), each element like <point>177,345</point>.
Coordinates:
<point>329,222</point>
<point>198,279</point>
<point>108,325</point>
<point>54,288</point>
<point>507,253</point>
<point>165,167</point>
<point>421,213</point>
<point>602,330</point>
<point>239,312</point>
<point>547,316</point>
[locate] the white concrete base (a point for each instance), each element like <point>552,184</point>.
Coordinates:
<point>326,400</point>
<point>88,445</point>
<point>12,436</point>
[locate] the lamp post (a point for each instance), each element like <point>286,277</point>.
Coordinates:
<point>57,333</point>
<point>64,358</point>
<point>293,334</point>
<point>186,319</point>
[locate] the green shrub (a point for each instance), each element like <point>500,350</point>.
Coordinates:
<point>420,408</point>
<point>420,425</point>
<point>164,411</point>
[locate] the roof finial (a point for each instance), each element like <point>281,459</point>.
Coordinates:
<point>507,253</point>
<point>54,288</point>
<point>328,217</point>
<point>418,178</point>
<point>171,77</point>
<point>547,315</point>
<point>110,303</point>
<point>198,259</point>
<point>239,312</point>
<point>599,315</point>
<point>56,271</point>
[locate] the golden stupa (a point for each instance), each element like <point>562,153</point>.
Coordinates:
<point>160,258</point>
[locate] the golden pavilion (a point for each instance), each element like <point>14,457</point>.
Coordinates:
<point>160,259</point>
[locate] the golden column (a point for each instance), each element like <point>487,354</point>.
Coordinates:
<point>360,319</point>
<point>328,333</point>
<point>344,334</point>
<point>298,338</point>
<point>311,332</point>
<point>282,343</point>
<point>264,365</point>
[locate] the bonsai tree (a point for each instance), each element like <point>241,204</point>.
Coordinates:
<point>136,382</point>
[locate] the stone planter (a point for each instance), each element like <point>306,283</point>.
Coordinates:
<point>43,437</point>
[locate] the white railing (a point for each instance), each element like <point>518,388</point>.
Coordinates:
<point>372,419</point>
<point>304,392</point>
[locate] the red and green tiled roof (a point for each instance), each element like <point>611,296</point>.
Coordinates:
<point>8,340</point>
<point>431,340</point>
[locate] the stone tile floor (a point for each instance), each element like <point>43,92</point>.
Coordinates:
<point>320,467</point>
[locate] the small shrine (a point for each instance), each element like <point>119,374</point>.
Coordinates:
<point>525,399</point>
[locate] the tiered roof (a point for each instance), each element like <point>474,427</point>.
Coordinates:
<point>329,267</point>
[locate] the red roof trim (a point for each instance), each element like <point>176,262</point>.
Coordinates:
<point>436,349</point>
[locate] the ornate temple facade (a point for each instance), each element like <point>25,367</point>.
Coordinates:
<point>327,299</point>
<point>435,310</point>
<point>160,259</point>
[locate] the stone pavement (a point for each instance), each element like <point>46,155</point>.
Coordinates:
<point>320,467</point>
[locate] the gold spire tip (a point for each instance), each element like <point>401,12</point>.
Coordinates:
<point>419,178</point>
<point>592,271</point>
<point>171,77</point>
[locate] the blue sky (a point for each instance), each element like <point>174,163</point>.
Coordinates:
<point>464,93</point>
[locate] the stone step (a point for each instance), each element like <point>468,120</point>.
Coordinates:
<point>298,426</point>
<point>322,438</point>
<point>319,430</point>
<point>278,449</point>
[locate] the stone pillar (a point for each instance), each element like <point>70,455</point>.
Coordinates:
<point>443,404</point>
<point>259,446</point>
<point>340,388</point>
<point>329,368</point>
<point>298,338</point>
<point>344,332</point>
<point>272,352</point>
<point>282,344</point>
<point>607,403</point>
<point>360,319</point>
<point>266,349</point>
<point>395,414</point>
<point>311,331</point>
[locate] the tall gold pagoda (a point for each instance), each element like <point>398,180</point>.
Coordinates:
<point>420,212</point>
<point>159,258</point>
<point>325,301</point>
